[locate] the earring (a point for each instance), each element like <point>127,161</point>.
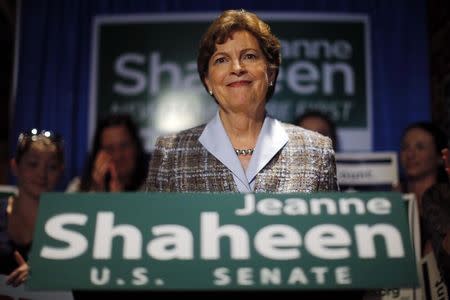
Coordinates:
<point>271,83</point>
<point>210,92</point>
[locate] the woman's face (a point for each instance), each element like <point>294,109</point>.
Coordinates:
<point>117,142</point>
<point>238,74</point>
<point>38,170</point>
<point>418,155</point>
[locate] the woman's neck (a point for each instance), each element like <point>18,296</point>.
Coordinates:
<point>242,129</point>
<point>418,186</point>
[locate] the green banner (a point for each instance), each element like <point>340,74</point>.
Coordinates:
<point>200,241</point>
<point>145,65</point>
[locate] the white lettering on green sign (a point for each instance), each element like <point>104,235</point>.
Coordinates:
<point>136,74</point>
<point>274,241</point>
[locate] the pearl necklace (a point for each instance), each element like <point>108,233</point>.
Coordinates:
<point>244,151</point>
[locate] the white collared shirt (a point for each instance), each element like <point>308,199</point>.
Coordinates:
<point>270,140</point>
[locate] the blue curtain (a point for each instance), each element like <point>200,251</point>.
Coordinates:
<point>54,61</point>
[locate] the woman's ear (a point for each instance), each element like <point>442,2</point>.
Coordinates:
<point>208,85</point>
<point>271,71</point>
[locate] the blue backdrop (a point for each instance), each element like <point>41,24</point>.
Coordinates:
<point>54,60</point>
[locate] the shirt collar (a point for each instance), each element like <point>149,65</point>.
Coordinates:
<point>215,139</point>
<point>270,140</point>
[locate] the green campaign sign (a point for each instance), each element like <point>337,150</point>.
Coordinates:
<point>145,65</point>
<point>200,241</point>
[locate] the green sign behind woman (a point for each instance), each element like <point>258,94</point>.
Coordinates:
<point>145,65</point>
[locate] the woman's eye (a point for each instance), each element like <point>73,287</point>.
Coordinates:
<point>249,56</point>
<point>219,60</point>
<point>421,146</point>
<point>53,167</point>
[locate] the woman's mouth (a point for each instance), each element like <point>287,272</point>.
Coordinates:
<point>239,83</point>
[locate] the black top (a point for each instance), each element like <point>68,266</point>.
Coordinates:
<point>436,212</point>
<point>7,246</point>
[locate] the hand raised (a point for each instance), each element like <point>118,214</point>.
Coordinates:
<point>19,275</point>
<point>114,185</point>
<point>102,165</point>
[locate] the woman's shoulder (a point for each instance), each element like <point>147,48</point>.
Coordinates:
<point>436,199</point>
<point>185,136</point>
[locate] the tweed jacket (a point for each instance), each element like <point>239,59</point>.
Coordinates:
<point>180,163</point>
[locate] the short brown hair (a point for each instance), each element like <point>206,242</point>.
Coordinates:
<point>224,26</point>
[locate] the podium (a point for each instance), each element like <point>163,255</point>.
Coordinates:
<point>222,243</point>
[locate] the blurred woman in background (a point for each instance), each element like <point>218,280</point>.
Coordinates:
<point>38,165</point>
<point>117,162</point>
<point>421,158</point>
<point>422,167</point>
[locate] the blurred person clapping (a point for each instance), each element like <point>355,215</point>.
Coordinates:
<point>117,162</point>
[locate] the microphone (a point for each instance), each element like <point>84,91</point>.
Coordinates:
<point>107,180</point>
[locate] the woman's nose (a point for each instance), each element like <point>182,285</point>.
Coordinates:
<point>238,67</point>
<point>42,171</point>
<point>410,153</point>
